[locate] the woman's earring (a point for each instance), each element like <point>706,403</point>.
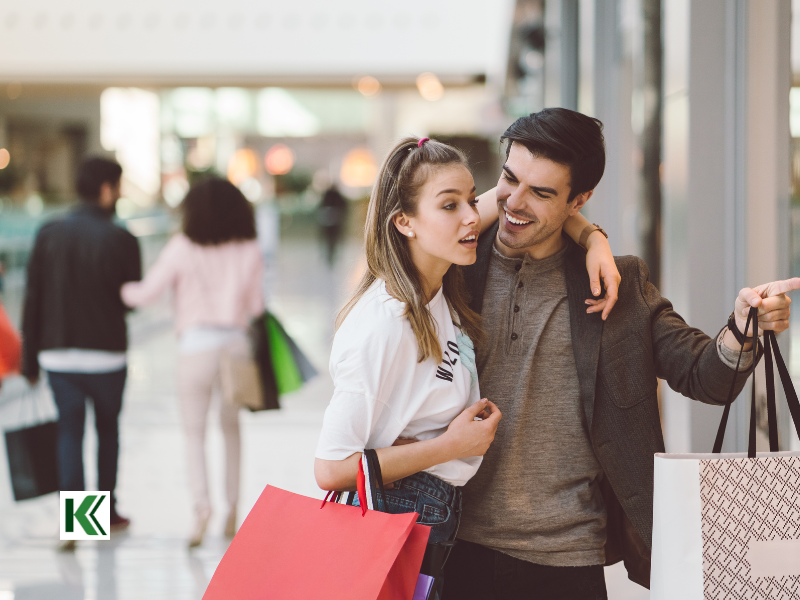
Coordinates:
<point>410,234</point>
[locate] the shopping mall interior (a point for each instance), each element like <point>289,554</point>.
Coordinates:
<point>702,181</point>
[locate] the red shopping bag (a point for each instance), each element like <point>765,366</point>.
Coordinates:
<point>290,548</point>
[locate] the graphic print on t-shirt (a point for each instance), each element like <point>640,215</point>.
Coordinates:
<point>382,391</point>
<point>445,370</point>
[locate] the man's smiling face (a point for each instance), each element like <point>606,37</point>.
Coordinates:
<point>532,199</point>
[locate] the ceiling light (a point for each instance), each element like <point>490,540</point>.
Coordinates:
<point>279,160</point>
<point>368,86</point>
<point>358,168</point>
<point>430,87</point>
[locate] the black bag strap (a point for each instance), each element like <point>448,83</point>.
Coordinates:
<point>770,347</point>
<point>751,443</point>
<point>786,380</point>
<point>725,413</point>
<point>772,408</point>
<point>375,477</point>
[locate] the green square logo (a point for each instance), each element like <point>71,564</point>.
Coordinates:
<point>85,515</point>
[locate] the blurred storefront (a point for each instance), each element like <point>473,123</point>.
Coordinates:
<point>694,97</point>
<point>286,100</point>
<point>158,83</point>
<point>283,100</point>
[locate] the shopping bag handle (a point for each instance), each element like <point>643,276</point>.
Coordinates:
<point>361,487</point>
<point>375,473</point>
<point>31,396</point>
<point>329,498</point>
<point>772,408</point>
<point>752,316</point>
<point>786,381</point>
<point>372,475</point>
<point>770,346</point>
<point>369,480</point>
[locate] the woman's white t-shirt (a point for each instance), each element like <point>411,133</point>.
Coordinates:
<point>382,393</point>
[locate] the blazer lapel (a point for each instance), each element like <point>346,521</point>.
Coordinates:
<point>475,274</point>
<point>586,329</point>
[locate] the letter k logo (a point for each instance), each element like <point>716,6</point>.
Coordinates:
<point>92,516</point>
<point>80,514</point>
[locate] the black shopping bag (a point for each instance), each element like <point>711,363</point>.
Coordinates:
<point>263,357</point>
<point>32,460</point>
<point>282,365</point>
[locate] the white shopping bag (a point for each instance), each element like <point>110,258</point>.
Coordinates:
<point>727,526</point>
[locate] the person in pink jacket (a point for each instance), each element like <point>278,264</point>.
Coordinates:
<point>214,270</point>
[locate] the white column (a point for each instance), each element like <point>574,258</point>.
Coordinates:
<point>561,69</point>
<point>725,175</point>
<point>769,79</point>
<point>586,61</point>
<point>674,268</point>
<point>615,201</point>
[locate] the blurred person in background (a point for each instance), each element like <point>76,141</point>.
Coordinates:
<point>332,217</point>
<point>214,270</point>
<point>73,323</point>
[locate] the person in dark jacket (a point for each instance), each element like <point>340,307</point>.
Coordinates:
<point>332,217</point>
<point>567,485</point>
<point>73,324</point>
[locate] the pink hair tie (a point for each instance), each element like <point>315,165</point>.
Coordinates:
<point>422,141</point>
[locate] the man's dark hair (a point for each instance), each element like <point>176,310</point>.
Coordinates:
<point>566,137</point>
<point>93,173</point>
<point>215,212</point>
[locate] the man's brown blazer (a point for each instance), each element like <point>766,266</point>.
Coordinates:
<point>618,363</point>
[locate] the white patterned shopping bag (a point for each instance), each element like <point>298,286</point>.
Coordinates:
<point>727,526</point>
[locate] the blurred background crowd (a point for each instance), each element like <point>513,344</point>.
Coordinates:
<point>295,104</point>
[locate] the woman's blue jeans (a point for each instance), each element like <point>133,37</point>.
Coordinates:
<point>437,502</point>
<point>438,505</point>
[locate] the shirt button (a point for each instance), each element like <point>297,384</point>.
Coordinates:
<point>519,285</point>
<point>516,309</point>
<point>518,267</point>
<point>513,337</point>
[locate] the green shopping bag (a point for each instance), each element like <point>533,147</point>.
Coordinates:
<point>291,368</point>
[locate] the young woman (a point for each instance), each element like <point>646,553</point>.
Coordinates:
<point>402,361</point>
<point>214,270</point>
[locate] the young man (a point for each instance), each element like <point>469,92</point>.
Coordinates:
<point>74,327</point>
<point>567,485</point>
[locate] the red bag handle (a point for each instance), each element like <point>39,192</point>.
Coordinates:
<point>334,499</point>
<point>362,491</point>
<point>361,486</point>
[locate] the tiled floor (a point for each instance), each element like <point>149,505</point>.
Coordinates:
<point>151,561</point>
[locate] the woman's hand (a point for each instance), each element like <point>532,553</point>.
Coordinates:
<point>464,437</point>
<point>468,437</point>
<point>601,265</point>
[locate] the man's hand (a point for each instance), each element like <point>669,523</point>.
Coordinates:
<point>772,302</point>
